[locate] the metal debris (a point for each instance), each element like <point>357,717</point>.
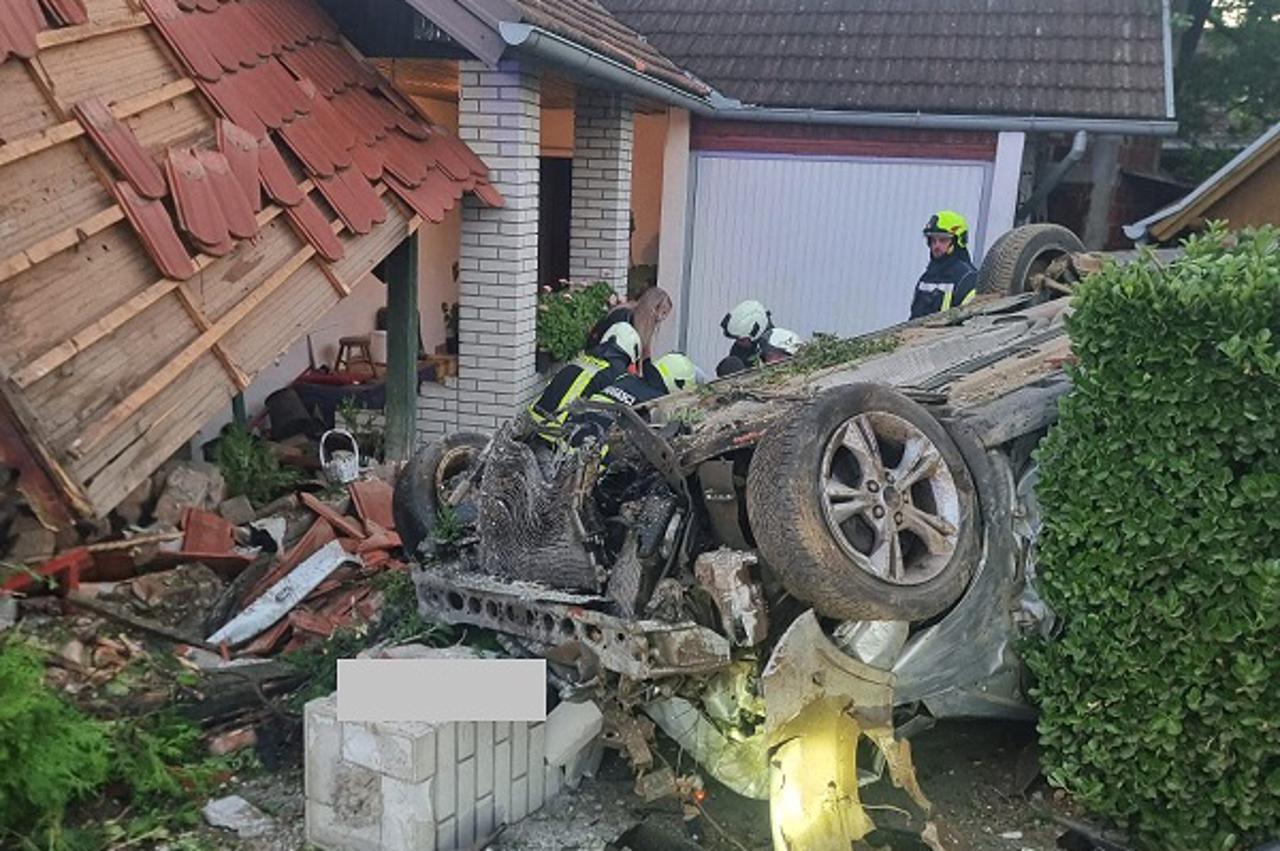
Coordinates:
<point>726,574</point>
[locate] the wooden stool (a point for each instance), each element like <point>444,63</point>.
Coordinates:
<point>353,350</point>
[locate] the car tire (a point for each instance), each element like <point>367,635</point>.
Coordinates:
<point>1022,252</point>
<point>832,524</point>
<point>417,497</point>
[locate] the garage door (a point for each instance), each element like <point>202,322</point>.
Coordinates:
<point>828,244</point>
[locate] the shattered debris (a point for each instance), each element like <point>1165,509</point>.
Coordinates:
<point>237,814</point>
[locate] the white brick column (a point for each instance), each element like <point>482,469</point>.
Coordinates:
<point>599,230</point>
<point>499,118</point>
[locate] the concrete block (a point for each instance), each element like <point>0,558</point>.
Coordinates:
<point>519,799</point>
<point>408,823</point>
<point>403,751</point>
<point>502,782</point>
<point>465,814</point>
<point>484,759</point>
<point>553,781</point>
<point>485,819</point>
<point>519,749</point>
<point>447,835</point>
<point>537,777</point>
<point>326,830</point>
<point>322,748</point>
<point>570,728</point>
<point>446,792</point>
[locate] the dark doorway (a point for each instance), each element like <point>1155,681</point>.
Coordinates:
<point>555,192</point>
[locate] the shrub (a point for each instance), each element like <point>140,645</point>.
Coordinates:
<point>251,468</point>
<point>50,753</point>
<point>1161,549</point>
<point>565,316</point>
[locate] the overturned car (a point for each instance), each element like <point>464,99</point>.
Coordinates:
<point>784,563</point>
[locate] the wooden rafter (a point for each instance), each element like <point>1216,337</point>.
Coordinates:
<point>84,32</point>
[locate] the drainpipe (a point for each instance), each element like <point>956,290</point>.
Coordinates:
<point>1051,180</point>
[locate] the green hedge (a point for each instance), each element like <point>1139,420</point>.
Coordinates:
<point>1160,492</point>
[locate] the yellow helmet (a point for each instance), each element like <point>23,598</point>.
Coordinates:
<point>677,371</point>
<point>948,223</point>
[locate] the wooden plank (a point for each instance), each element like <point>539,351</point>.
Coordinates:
<point>50,193</point>
<point>181,123</point>
<point>35,481</point>
<point>105,325</point>
<point>49,246</point>
<point>114,67</point>
<point>93,29</point>
<point>74,397</point>
<point>67,130</point>
<point>25,111</point>
<point>237,377</point>
<point>139,397</point>
<point>16,408</point>
<point>163,427</point>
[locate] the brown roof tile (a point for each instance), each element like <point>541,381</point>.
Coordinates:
<point>312,226</point>
<point>66,12</point>
<point>275,174</point>
<point>588,23</point>
<point>404,158</point>
<point>304,138</point>
<point>354,214</point>
<point>121,147</point>
<point>154,227</point>
<point>429,203</point>
<point>236,208</point>
<point>20,20</point>
<point>1087,58</point>
<point>228,96</point>
<point>181,33</point>
<point>241,151</point>
<point>199,213</point>
<point>489,195</point>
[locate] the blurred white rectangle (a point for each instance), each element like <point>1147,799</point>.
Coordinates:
<point>441,690</point>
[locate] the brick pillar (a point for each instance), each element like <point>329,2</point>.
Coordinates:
<point>599,231</point>
<point>499,117</point>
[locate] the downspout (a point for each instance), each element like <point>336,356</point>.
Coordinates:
<point>1051,180</point>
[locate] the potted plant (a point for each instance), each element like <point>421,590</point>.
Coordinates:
<point>450,312</point>
<point>565,315</point>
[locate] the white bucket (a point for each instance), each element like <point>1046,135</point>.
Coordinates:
<point>378,346</point>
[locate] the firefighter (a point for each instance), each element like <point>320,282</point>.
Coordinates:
<point>950,280</point>
<point>670,373</point>
<point>588,374</point>
<point>780,345</point>
<point>748,325</point>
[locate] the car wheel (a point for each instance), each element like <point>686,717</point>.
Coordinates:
<point>1021,253</point>
<point>863,506</point>
<point>429,480</point>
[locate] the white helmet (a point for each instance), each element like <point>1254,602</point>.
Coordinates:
<point>784,340</point>
<point>625,337</point>
<point>749,319</point>
<point>677,371</point>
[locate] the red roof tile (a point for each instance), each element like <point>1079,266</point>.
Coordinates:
<point>199,212</point>
<point>353,104</point>
<point>226,188</point>
<point>226,94</point>
<point>267,89</point>
<point>154,227</point>
<point>116,140</point>
<point>425,202</point>
<point>304,138</point>
<point>217,29</point>
<point>184,37</point>
<point>354,213</point>
<point>478,168</point>
<point>276,177</point>
<point>315,229</point>
<point>66,12</point>
<point>20,20</point>
<point>404,158</point>
<point>489,195</point>
<point>241,151</point>
<point>207,5</point>
<point>336,127</point>
<point>446,158</point>
<point>368,160</point>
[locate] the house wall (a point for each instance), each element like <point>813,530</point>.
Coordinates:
<point>646,186</point>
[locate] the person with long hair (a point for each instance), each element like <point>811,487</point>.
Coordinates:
<point>646,314</point>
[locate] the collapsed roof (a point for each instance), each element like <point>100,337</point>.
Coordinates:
<point>184,191</point>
